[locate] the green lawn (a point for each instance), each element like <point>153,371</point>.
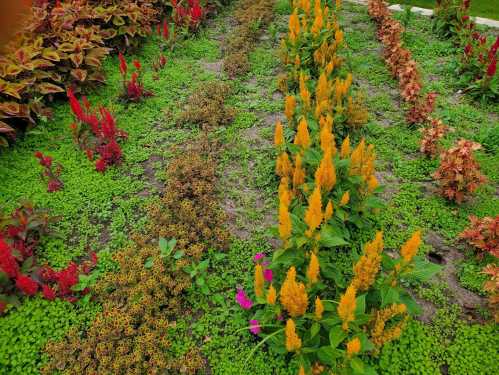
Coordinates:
<point>482,8</point>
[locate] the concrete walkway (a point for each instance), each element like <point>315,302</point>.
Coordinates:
<point>429,12</point>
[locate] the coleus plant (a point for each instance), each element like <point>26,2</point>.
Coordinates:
<point>459,173</point>
<point>20,273</point>
<point>483,235</point>
<point>50,172</point>
<point>133,88</point>
<point>431,136</point>
<point>96,133</point>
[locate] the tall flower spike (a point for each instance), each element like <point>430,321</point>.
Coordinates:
<point>279,134</point>
<point>259,280</point>
<point>294,26</point>
<point>302,137</point>
<point>345,198</point>
<point>304,92</point>
<point>284,193</point>
<point>293,341</point>
<point>318,23</point>
<point>284,222</point>
<point>283,166</point>
<point>313,269</point>
<point>298,173</point>
<point>271,295</point>
<point>313,215</point>
<point>322,90</point>
<point>328,214</point>
<point>325,175</point>
<point>353,347</point>
<point>346,308</point>
<point>366,269</point>
<point>289,107</point>
<point>410,248</point>
<point>345,148</point>
<point>293,295</point>
<point>319,308</point>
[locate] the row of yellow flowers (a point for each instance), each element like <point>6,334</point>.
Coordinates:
<point>327,199</point>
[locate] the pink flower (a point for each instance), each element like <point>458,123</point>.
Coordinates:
<point>258,256</point>
<point>268,275</point>
<point>243,300</point>
<point>255,327</point>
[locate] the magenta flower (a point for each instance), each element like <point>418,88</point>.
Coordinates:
<point>268,275</point>
<point>243,300</point>
<point>255,327</point>
<point>258,256</point>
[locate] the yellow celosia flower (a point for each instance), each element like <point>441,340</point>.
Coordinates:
<point>313,269</point>
<point>319,308</point>
<point>297,61</point>
<point>345,198</point>
<point>289,107</point>
<point>284,193</point>
<point>338,4</point>
<point>353,347</point>
<point>305,5</point>
<point>301,371</point>
<point>293,295</point>
<point>326,135</point>
<point>322,90</point>
<point>328,214</point>
<point>304,25</point>
<point>304,92</point>
<point>345,148</point>
<point>380,335</point>
<point>313,215</point>
<point>346,308</point>
<point>302,137</point>
<point>372,183</point>
<point>298,173</point>
<point>329,68</point>
<point>294,26</point>
<point>293,341</point>
<point>284,222</point>
<point>338,36</point>
<point>357,159</point>
<point>283,166</point>
<point>279,134</point>
<point>259,280</point>
<point>318,24</point>
<point>325,175</point>
<point>410,248</point>
<point>271,295</point>
<point>366,269</point>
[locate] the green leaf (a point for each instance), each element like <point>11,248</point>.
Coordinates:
<point>329,239</point>
<point>328,355</point>
<point>149,262</point>
<point>422,271</point>
<point>357,366</point>
<point>360,303</point>
<point>336,336</point>
<point>388,296</point>
<point>314,330</point>
<point>179,254</point>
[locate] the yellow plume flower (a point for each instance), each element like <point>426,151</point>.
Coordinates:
<point>318,24</point>
<point>283,166</point>
<point>319,308</point>
<point>325,175</point>
<point>328,214</point>
<point>293,295</point>
<point>279,134</point>
<point>298,173</point>
<point>304,93</point>
<point>345,148</point>
<point>380,335</point>
<point>313,269</point>
<point>338,36</point>
<point>293,341</point>
<point>285,227</point>
<point>301,371</point>
<point>410,248</point>
<point>284,193</point>
<point>372,183</point>
<point>357,159</point>
<point>259,280</point>
<point>294,26</point>
<point>289,107</point>
<point>345,198</point>
<point>313,215</point>
<point>338,4</point>
<point>271,295</point>
<point>346,308</point>
<point>302,137</point>
<point>297,61</point>
<point>366,269</point>
<point>330,68</point>
<point>322,90</point>
<point>353,347</point>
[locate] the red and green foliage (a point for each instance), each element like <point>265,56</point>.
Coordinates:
<point>459,172</point>
<point>188,15</point>
<point>431,137</point>
<point>421,110</point>
<point>52,175</point>
<point>20,274</point>
<point>451,17</point>
<point>483,234</point>
<point>133,88</point>
<point>492,288</point>
<point>96,133</point>
<point>478,66</point>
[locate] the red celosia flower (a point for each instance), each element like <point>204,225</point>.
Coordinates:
<point>165,30</point>
<point>86,103</point>
<point>90,154</point>
<point>75,105</point>
<point>67,278</point>
<point>491,70</point>
<point>123,64</point>
<point>137,64</point>
<point>466,18</point>
<point>27,285</point>
<point>468,49</point>
<point>48,292</point>
<point>162,60</point>
<point>38,155</point>
<point>54,185</point>
<point>100,165</point>
<point>8,263</point>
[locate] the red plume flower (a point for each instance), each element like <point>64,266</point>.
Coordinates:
<point>48,292</point>
<point>123,64</point>
<point>491,70</point>
<point>8,263</point>
<point>75,105</point>
<point>27,285</point>
<point>137,64</point>
<point>165,30</point>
